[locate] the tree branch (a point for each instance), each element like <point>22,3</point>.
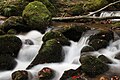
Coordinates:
<point>103,8</point>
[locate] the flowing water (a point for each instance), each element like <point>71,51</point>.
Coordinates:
<point>71,61</point>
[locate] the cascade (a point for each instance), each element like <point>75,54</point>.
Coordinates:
<point>72,53</point>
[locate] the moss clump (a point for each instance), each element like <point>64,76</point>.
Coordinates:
<point>93,5</point>
<point>93,66</point>
<point>14,22</point>
<point>7,62</point>
<point>50,52</point>
<point>10,44</point>
<point>12,7</point>
<point>36,16</point>
<point>12,31</point>
<point>56,35</point>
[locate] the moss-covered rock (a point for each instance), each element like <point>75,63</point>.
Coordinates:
<point>105,59</point>
<point>92,5</point>
<point>87,49</point>
<point>36,16</point>
<point>7,62</point>
<point>10,44</point>
<point>20,75</point>
<point>74,32</point>
<point>50,52</point>
<point>16,23</point>
<point>12,7</point>
<point>98,44</point>
<point>46,74</point>
<point>92,66</point>
<point>103,34</point>
<point>56,35</point>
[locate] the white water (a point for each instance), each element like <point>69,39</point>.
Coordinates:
<point>71,61</point>
<point>110,13</point>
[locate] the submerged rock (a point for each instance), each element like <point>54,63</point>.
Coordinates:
<point>117,56</point>
<point>105,59</point>
<point>56,35</point>
<point>10,44</point>
<point>37,16</point>
<point>7,62</point>
<point>93,66</point>
<point>20,75</point>
<point>50,52</point>
<point>98,44</point>
<point>28,42</point>
<point>87,49</point>
<point>46,74</point>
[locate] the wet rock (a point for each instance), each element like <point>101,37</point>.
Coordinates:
<point>7,62</point>
<point>74,32</point>
<point>50,52</point>
<point>12,7</point>
<point>46,74</point>
<point>87,49</point>
<point>117,56</point>
<point>104,59</point>
<point>103,34</point>
<point>10,44</point>
<point>98,44</point>
<point>28,42</point>
<point>37,16</point>
<point>16,23</point>
<point>56,35</point>
<point>93,66</point>
<point>20,75</point>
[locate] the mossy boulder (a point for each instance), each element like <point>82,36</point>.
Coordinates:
<point>93,5</point>
<point>98,44</point>
<point>56,35</point>
<point>92,66</point>
<point>105,59</point>
<point>46,74</point>
<point>37,16</point>
<point>87,49</point>
<point>50,52</point>
<point>103,34</point>
<point>7,62</point>
<point>16,23</point>
<point>10,44</point>
<point>20,75</point>
<point>12,7</point>
<point>74,32</point>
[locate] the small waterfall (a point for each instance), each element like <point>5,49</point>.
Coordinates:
<point>72,54</point>
<point>110,13</point>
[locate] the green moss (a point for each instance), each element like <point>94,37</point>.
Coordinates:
<point>36,15</point>
<point>12,31</point>
<point>93,5</point>
<point>14,22</point>
<point>10,44</point>
<point>12,7</point>
<point>50,52</point>
<point>93,66</point>
<point>56,35</point>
